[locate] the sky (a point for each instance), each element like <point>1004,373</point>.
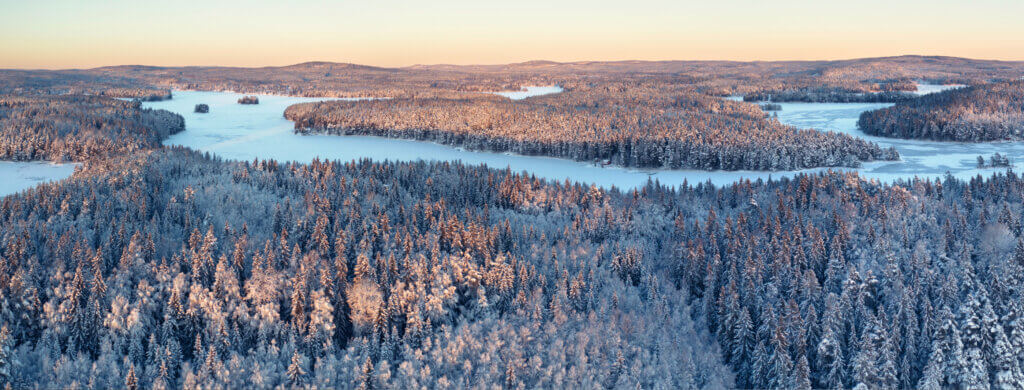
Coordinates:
<point>58,34</point>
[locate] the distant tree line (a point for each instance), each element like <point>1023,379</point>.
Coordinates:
<point>646,125</point>
<point>986,112</point>
<point>846,78</point>
<point>141,94</point>
<point>77,128</point>
<point>828,96</point>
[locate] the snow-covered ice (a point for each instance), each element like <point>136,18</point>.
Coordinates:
<point>529,92</point>
<point>917,158</point>
<point>246,132</point>
<point>924,89</point>
<point>18,176</point>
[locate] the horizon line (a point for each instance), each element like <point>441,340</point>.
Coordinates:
<point>520,63</point>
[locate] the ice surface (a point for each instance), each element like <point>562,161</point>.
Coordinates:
<point>924,89</point>
<point>917,158</point>
<point>245,132</point>
<point>18,176</point>
<point>530,91</point>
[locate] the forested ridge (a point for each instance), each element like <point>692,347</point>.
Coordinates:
<point>627,124</point>
<point>859,79</point>
<point>66,82</point>
<point>987,112</point>
<point>78,128</point>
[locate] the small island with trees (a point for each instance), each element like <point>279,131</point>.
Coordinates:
<point>996,161</point>
<point>202,108</point>
<point>249,99</point>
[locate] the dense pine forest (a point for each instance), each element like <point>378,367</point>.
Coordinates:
<point>987,112</point>
<point>170,269</point>
<point>627,124</point>
<point>77,128</point>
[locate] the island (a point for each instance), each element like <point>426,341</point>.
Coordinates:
<point>631,124</point>
<point>984,112</point>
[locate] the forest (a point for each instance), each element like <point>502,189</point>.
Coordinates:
<point>841,80</point>
<point>828,96</point>
<point>170,269</point>
<point>162,267</point>
<point>78,128</point>
<point>985,112</point>
<point>627,124</point>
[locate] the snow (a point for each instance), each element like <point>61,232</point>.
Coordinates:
<point>246,132</point>
<point>917,158</point>
<point>924,89</point>
<point>529,92</point>
<point>18,176</point>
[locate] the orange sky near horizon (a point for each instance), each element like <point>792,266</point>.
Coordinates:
<point>51,34</point>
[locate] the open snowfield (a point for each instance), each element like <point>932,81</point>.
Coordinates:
<point>18,176</point>
<point>246,132</point>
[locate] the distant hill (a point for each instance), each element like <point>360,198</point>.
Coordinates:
<point>840,78</point>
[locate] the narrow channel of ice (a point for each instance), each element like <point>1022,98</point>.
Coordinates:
<point>530,92</point>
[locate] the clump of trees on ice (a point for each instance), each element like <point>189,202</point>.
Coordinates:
<point>995,161</point>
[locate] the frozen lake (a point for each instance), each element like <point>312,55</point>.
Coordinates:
<point>246,132</point>
<point>917,158</point>
<point>530,91</point>
<point>18,176</point>
<point>924,89</point>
